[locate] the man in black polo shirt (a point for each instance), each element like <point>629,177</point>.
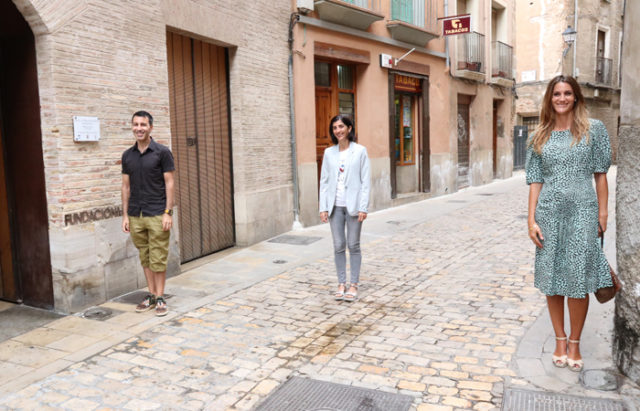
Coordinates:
<point>147,202</point>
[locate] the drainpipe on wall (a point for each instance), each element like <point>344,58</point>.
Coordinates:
<point>446,39</point>
<point>294,157</point>
<point>575,42</point>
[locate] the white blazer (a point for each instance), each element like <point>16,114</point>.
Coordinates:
<point>357,179</point>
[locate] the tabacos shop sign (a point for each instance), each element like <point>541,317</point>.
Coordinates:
<point>452,25</point>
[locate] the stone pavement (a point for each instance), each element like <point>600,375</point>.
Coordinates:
<point>447,314</point>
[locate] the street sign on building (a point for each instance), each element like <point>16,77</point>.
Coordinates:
<point>453,25</point>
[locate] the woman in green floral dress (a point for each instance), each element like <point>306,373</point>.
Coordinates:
<point>565,153</point>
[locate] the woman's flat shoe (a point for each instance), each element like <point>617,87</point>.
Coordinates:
<point>339,295</point>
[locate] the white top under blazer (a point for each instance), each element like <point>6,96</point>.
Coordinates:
<point>357,179</point>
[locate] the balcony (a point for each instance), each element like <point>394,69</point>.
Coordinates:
<point>358,14</point>
<point>471,63</point>
<point>413,21</point>
<point>603,71</point>
<point>501,64</point>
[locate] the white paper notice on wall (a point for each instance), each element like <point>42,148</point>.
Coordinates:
<point>86,128</point>
<point>528,75</point>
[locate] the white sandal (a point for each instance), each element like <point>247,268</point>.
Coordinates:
<point>575,365</point>
<point>339,295</point>
<point>351,295</point>
<point>560,361</point>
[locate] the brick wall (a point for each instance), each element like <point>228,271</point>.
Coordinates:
<point>108,59</point>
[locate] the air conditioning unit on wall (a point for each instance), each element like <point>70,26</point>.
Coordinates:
<point>304,6</point>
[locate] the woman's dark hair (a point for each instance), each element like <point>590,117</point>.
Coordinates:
<point>347,122</point>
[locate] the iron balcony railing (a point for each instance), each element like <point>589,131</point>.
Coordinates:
<point>373,5</point>
<point>603,70</point>
<point>420,13</point>
<point>471,52</point>
<point>502,60</point>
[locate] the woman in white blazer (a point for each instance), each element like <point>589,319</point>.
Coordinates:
<point>344,199</point>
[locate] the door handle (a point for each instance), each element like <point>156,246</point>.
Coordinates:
<point>191,141</point>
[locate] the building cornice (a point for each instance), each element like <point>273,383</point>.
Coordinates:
<point>366,35</point>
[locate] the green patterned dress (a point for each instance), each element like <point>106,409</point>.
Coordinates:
<point>571,262</point>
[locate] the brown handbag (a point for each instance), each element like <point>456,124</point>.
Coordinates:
<point>607,293</point>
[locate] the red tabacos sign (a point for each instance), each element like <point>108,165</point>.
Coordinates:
<point>456,25</point>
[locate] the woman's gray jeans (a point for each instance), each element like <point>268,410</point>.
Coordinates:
<point>337,221</point>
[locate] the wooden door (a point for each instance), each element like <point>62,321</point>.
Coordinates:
<point>520,135</point>
<point>600,43</point>
<point>199,107</point>
<point>495,137</point>
<point>392,134</point>
<point>463,142</point>
<point>28,278</point>
<point>323,118</point>
<point>425,146</point>
<point>7,280</point>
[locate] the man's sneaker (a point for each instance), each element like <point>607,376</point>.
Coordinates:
<point>148,303</point>
<point>161,307</point>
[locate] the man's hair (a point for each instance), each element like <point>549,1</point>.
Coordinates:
<point>143,113</point>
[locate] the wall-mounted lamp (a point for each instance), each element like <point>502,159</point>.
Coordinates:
<point>569,37</point>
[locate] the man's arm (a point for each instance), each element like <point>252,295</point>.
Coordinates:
<point>167,220</point>
<point>126,191</point>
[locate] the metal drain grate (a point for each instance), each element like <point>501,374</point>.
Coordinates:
<point>100,313</point>
<point>602,380</point>
<point>302,394</point>
<point>526,400</point>
<point>295,239</point>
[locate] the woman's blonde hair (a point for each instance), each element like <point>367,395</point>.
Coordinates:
<point>580,125</point>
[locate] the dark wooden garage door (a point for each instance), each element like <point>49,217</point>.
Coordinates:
<point>199,107</point>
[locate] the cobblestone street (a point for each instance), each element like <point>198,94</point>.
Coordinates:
<point>446,298</point>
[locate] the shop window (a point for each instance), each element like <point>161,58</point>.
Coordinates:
<point>407,90</point>
<point>405,127</point>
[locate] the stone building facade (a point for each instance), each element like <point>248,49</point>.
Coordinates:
<point>626,344</point>
<point>593,59</point>
<point>214,75</point>
<point>433,113</point>
<point>217,75</point>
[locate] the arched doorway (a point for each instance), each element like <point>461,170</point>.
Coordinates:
<point>25,262</point>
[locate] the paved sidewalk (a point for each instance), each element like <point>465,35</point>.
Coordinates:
<point>448,314</point>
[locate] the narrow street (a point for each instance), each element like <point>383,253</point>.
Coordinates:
<point>447,299</point>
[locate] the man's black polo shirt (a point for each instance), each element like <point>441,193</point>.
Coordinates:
<point>146,177</point>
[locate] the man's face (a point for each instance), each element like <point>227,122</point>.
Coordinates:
<point>141,128</point>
